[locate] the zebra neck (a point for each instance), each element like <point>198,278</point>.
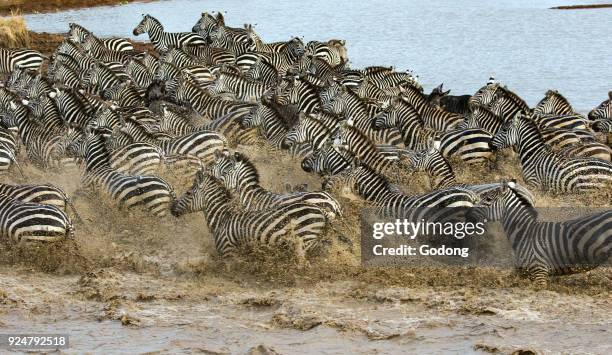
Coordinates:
<point>530,143</point>
<point>517,222</point>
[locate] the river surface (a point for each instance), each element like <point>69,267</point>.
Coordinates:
<point>523,43</point>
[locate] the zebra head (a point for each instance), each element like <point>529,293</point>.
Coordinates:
<point>224,162</point>
<point>506,199</point>
<point>326,161</point>
<point>76,144</point>
<point>484,96</point>
<point>193,199</point>
<point>77,33</point>
<point>205,188</point>
<point>388,116</point>
<point>299,132</point>
<point>147,23</point>
<point>603,111</point>
<point>508,134</point>
<point>205,25</point>
<point>255,117</point>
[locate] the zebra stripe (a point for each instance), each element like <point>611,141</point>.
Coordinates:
<point>11,59</point>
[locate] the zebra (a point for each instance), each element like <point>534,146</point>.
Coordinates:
<point>244,89</point>
<point>328,160</point>
<point>450,103</point>
<point>388,200</point>
<point>124,95</point>
<point>11,59</point>
<point>207,23</point>
<point>164,41</point>
<point>295,90</point>
<point>553,103</point>
<point>308,130</point>
<point>44,194</point>
<point>78,34</point>
<point>430,160</point>
<point>348,104</point>
<point>97,49</point>
<point>300,224</point>
<point>546,169</point>
<point>211,55</point>
<point>272,127</point>
<point>303,224</point>
<point>263,72</point>
<point>41,143</point>
<point>139,73</point>
<point>333,51</point>
<point>282,61</point>
<point>204,103</point>
<point>543,249</point>
<point>433,117</point>
<point>128,191</point>
<point>238,174</point>
<point>482,117</point>
<point>260,46</point>
<point>29,222</point>
<point>200,144</point>
<point>351,139</point>
<point>72,108</point>
<point>603,111</point>
<point>102,77</point>
<point>137,159</point>
<point>63,74</point>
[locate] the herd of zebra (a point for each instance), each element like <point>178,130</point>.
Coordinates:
<point>122,115</point>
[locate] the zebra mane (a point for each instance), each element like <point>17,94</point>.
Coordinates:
<point>515,98</point>
<point>554,93</point>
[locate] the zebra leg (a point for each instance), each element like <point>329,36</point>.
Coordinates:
<point>540,276</point>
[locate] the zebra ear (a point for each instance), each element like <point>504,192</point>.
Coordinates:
<point>53,94</point>
<point>610,95</point>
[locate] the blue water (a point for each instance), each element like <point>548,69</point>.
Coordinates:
<point>461,43</point>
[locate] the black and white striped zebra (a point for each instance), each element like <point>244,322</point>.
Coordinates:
<point>78,34</point>
<point>139,72</point>
<point>153,193</point>
<point>546,169</point>
<point>328,160</point>
<point>42,144</point>
<point>238,174</point>
<point>272,127</point>
<point>348,104</point>
<point>73,108</point>
<point>299,224</point>
<point>333,51</point>
<point>11,59</point>
<point>390,201</point>
<point>544,249</point>
<point>603,111</point>
<point>203,102</point>
<point>164,41</point>
<point>433,117</point>
<point>242,88</point>
<point>31,222</point>
<point>200,144</point>
<point>553,103</point>
<point>45,194</point>
<point>309,129</point>
<point>263,72</point>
